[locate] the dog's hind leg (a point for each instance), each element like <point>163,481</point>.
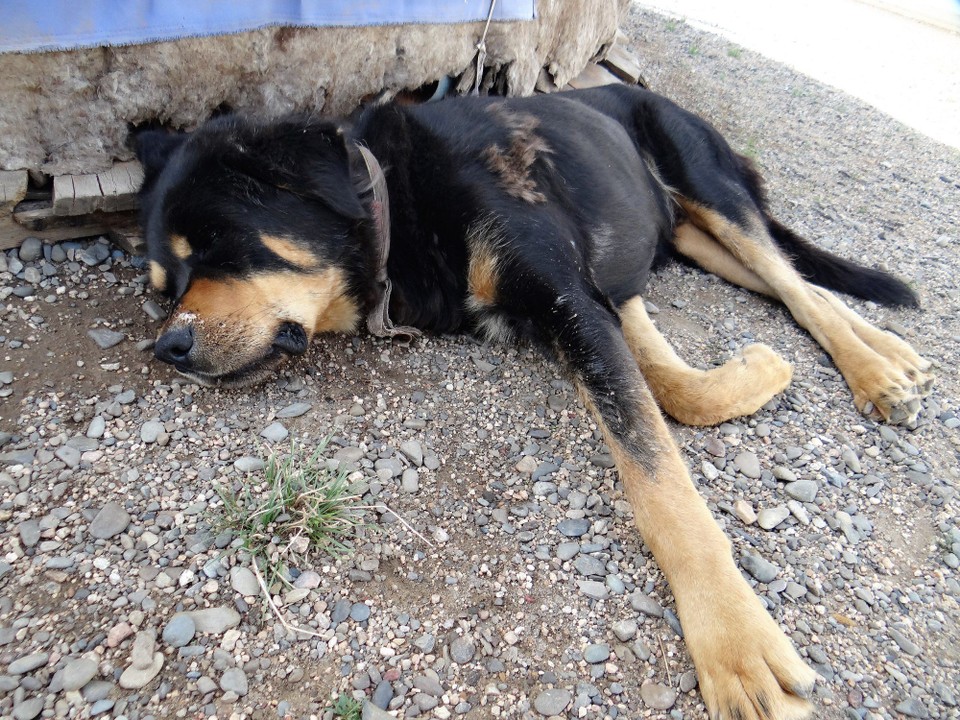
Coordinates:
<point>746,666</point>
<point>884,373</point>
<point>694,244</point>
<point>701,397</point>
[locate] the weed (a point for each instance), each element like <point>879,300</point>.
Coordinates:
<point>347,708</point>
<point>301,506</point>
<point>734,52</point>
<point>751,150</point>
<point>693,51</point>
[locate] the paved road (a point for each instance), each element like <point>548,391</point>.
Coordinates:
<point>903,58</point>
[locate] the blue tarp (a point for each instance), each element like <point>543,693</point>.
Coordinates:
<point>38,25</point>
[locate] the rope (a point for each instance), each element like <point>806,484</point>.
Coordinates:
<point>482,50</point>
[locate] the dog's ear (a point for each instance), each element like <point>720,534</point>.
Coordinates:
<point>153,149</point>
<point>307,158</point>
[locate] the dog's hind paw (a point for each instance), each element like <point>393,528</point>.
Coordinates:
<point>894,391</point>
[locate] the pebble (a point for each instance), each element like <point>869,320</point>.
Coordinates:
<point>744,511</point>
<point>30,249</point>
<point>594,589</point>
<point>462,650</point>
<point>625,630</point>
<point>154,311</point>
<point>308,580</point>
<point>215,620</point>
<point>801,490</point>
<point>150,431</point>
<point>274,432</point>
<point>106,339</point>
<point>249,464</point>
<point>234,680</point>
<point>78,673</point>
<point>179,630</point>
<point>760,569</point>
<point>294,410</point>
<point>573,527</point>
<point>28,709</point>
<point>29,532</point>
<point>552,701</point>
<point>412,451</point>
<point>657,696</point>
<point>359,612</point>
<point>748,464</point>
<point>96,428</point>
<point>596,653</point>
<point>912,707</point>
<point>134,678</point>
<point>382,695</point>
<point>109,522</point>
<point>428,685</point>
<point>905,643</point>
<point>769,518</point>
<point>410,481</point>
<point>645,604</point>
<point>28,663</point>
<point>244,581</point>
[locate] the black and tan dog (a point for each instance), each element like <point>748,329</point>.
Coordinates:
<point>538,218</point>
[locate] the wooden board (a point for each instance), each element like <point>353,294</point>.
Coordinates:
<point>624,64</point>
<point>110,191</point>
<point>13,188</point>
<point>593,76</point>
<point>37,219</point>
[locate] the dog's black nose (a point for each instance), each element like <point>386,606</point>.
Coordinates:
<point>174,347</point>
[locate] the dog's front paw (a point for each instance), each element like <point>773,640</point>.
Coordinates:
<point>893,390</point>
<point>746,666</point>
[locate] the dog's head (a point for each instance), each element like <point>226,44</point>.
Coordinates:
<point>259,234</point>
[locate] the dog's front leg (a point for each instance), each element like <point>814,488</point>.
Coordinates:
<point>746,666</point>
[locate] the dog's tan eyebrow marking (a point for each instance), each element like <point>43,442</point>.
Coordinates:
<point>180,247</point>
<point>290,251</point>
<point>158,276</point>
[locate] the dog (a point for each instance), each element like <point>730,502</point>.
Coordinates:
<point>536,218</point>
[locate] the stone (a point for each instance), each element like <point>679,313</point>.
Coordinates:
<point>179,630</point>
<point>573,527</point>
<point>748,464</point>
<point>769,518</point>
<point>744,511</point>
<point>216,620</point>
<point>359,612</point>
<point>657,696</point>
<point>28,709</point>
<point>134,678</point>
<point>552,701</point>
<point>758,568</point>
<point>28,663</point>
<point>150,431</point>
<point>527,465</point>
<point>625,629</point>
<point>802,490</point>
<point>96,428</point>
<point>410,481</point>
<point>244,581</point>
<point>106,339</point>
<point>30,249</point>
<point>78,673</point>
<point>412,451</point>
<point>234,679</point>
<point>429,685</point>
<point>594,589</point>
<point>645,604</point>
<point>596,653</point>
<point>274,432</point>
<point>462,650</point>
<point>141,652</point>
<point>308,580</point>
<point>248,464</point>
<point>294,410</point>
<point>29,532</point>
<point>109,522</point>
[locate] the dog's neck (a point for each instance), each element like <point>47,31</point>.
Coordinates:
<point>378,319</point>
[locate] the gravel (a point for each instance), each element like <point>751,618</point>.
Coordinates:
<point>532,595</point>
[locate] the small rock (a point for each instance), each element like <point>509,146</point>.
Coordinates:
<point>744,511</point>
<point>106,339</point>
<point>154,311</point>
<point>134,678</point>
<point>216,620</point>
<point>913,708</point>
<point>308,579</point>
<point>657,696</point>
<point>905,643</point>
<point>30,249</point>
<point>410,481</point>
<point>274,432</point>
<point>78,673</point>
<point>596,653</point>
<point>645,604</point>
<point>294,410</point>
<point>382,695</point>
<point>141,653</point>
<point>96,428</point>
<point>760,569</point>
<point>235,680</point>
<point>769,518</point>
<point>248,464</point>
<point>109,522</point>
<point>359,612</point>
<point>179,630</point>
<point>428,685</point>
<point>29,532</point>
<point>552,701</point>
<point>748,464</point>
<point>28,709</point>
<point>575,527</point>
<point>244,581</point>
<point>527,465</point>
<point>802,490</point>
<point>594,589</point>
<point>624,629</point>
<point>28,663</point>
<point>413,452</point>
<point>462,650</point>
<point>150,431</point>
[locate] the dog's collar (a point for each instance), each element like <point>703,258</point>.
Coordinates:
<point>378,319</point>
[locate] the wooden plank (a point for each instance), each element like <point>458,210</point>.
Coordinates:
<point>593,76</point>
<point>624,64</point>
<point>119,186</point>
<point>62,194</point>
<point>37,219</point>
<point>13,188</point>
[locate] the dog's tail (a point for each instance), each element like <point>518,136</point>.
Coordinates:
<point>834,273</point>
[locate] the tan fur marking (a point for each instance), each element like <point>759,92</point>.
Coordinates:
<point>158,276</point>
<point>513,165</point>
<point>180,247</point>
<point>738,650</point>
<point>692,242</point>
<point>884,373</point>
<point>290,251</point>
<point>482,276</point>
<point>702,397</point>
